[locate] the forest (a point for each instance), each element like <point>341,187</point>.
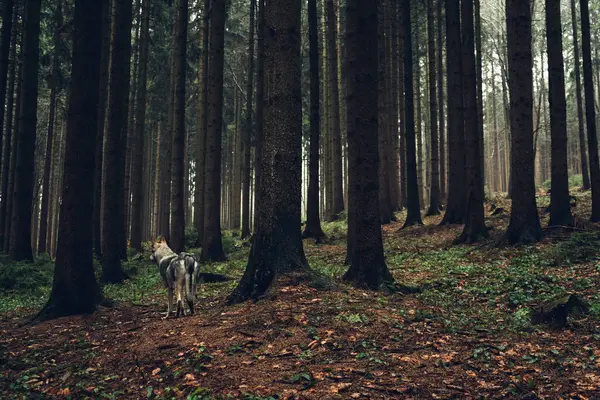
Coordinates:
<point>299,199</point>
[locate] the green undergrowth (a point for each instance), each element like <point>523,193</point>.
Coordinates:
<point>492,289</point>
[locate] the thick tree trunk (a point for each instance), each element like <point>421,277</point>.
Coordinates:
<point>313,221</point>
<point>277,243</point>
<point>474,228</point>
<point>457,199</point>
<point>560,208</point>
<point>137,188</point>
<point>413,216</point>
<point>177,242</point>
<point>212,246</point>
<point>113,235</point>
<point>74,288</point>
<point>434,190</point>
<point>20,237</point>
<point>524,224</point>
<point>368,268</point>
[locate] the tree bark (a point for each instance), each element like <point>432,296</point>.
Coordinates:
<point>368,268</point>
<point>74,288</point>
<point>336,140</point>
<point>590,110</point>
<point>248,128</point>
<point>137,188</point>
<point>9,135</point>
<point>212,247</point>
<point>200,178</point>
<point>20,237</point>
<point>277,243</point>
<point>580,120</point>
<point>5,47</point>
<point>394,175</point>
<point>413,216</point>
<point>58,21</point>
<point>385,201</point>
<point>177,242</point>
<point>524,226</point>
<point>13,154</point>
<point>560,208</point>
<point>441,108</point>
<point>457,196</point>
<point>113,235</point>
<point>474,228</point>
<point>313,221</point>
<point>102,102</point>
<point>434,190</point>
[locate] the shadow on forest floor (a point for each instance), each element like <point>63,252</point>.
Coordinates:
<point>467,335</point>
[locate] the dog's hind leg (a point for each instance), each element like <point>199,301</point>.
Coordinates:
<point>180,291</point>
<point>169,303</point>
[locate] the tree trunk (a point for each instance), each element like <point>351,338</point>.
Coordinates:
<point>248,129</point>
<point>394,176</point>
<point>58,20</point>
<point>212,247</point>
<point>260,90</point>
<point>113,233</point>
<point>590,111</point>
<point>580,120</point>
<point>13,155</point>
<point>479,83</point>
<point>313,221</point>
<point>177,236</point>
<point>74,288</point>
<point>474,228</point>
<point>332,64</point>
<point>200,177</point>
<point>102,101</point>
<point>385,209</point>
<point>524,224</point>
<point>130,139</point>
<point>137,189</point>
<point>413,216</point>
<point>434,190</point>
<point>560,208</point>
<point>9,134</point>
<point>441,112</point>
<point>20,237</point>
<point>402,108</point>
<point>5,47</point>
<point>368,268</point>
<point>457,199</point>
<point>277,243</point>
<point>158,181</point>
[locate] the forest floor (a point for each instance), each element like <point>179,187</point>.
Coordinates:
<point>466,335</point>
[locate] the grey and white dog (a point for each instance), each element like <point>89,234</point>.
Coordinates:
<point>179,274</point>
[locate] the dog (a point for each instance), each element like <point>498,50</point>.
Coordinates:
<point>179,274</point>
